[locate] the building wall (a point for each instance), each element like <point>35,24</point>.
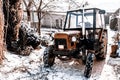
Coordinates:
<point>54,21</point>
<point>49,20</point>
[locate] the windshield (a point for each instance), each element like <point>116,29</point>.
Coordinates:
<point>75,20</point>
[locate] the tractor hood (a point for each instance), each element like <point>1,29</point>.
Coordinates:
<point>66,40</point>
<point>67,33</point>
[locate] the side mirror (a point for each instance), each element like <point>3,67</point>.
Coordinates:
<point>102,12</point>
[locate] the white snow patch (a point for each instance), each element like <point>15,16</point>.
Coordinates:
<point>108,73</point>
<point>17,67</point>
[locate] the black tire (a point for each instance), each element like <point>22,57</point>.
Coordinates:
<point>103,48</point>
<point>48,57</point>
<point>89,65</point>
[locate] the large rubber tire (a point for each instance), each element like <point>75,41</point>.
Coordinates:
<point>48,57</point>
<point>89,65</point>
<point>103,48</point>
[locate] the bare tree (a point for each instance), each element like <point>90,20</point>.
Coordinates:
<point>40,8</point>
<point>50,5</point>
<point>39,11</point>
<point>28,8</point>
<point>1,32</point>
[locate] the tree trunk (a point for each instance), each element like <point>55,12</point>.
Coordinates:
<point>39,11</point>
<point>13,16</point>
<point>1,32</point>
<point>28,15</point>
<point>39,21</point>
<point>28,9</point>
<point>19,39</point>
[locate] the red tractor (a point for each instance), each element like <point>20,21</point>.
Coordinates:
<point>84,37</point>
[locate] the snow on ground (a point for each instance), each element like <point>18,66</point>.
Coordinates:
<point>17,67</point>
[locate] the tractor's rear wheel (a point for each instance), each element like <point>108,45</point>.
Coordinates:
<point>89,65</point>
<point>48,57</point>
<point>102,48</point>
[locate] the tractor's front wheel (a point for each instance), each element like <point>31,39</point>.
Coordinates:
<point>84,56</point>
<point>89,65</point>
<point>48,57</point>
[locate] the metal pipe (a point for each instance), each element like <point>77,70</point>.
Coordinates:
<point>83,23</point>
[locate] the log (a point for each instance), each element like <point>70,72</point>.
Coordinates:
<point>28,36</point>
<point>28,40</point>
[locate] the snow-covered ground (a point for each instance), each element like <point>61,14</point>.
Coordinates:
<point>17,67</point>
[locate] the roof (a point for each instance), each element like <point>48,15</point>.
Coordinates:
<point>117,11</point>
<point>84,9</point>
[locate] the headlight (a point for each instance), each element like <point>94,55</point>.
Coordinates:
<point>74,39</point>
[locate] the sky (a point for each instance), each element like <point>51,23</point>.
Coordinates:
<point>108,5</point>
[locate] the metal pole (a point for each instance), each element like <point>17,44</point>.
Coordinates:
<point>119,26</point>
<point>83,24</point>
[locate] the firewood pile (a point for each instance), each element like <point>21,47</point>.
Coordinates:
<point>28,40</point>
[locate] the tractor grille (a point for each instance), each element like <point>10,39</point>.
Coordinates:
<point>59,42</point>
